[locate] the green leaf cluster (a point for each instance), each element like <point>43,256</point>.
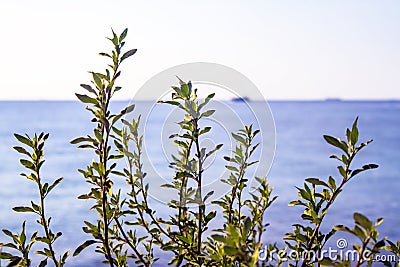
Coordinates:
<point>317,196</point>
<point>127,231</point>
<point>33,150</point>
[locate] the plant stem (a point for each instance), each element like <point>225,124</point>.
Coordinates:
<point>329,203</point>
<point>182,190</point>
<point>361,254</point>
<point>130,244</point>
<point>199,185</point>
<point>140,211</point>
<point>104,201</point>
<point>235,187</point>
<point>146,205</point>
<point>26,257</point>
<point>105,131</point>
<point>103,160</point>
<point>44,221</point>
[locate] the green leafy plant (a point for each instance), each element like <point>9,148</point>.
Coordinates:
<point>128,231</point>
<point>106,232</point>
<point>307,237</point>
<point>241,238</point>
<point>394,248</point>
<point>186,231</point>
<point>367,232</point>
<point>20,243</point>
<point>187,227</point>
<point>183,233</point>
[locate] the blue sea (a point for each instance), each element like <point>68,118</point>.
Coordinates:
<point>300,153</point>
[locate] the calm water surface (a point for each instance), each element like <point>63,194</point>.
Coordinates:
<point>300,153</point>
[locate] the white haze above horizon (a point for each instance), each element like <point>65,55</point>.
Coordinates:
<point>292,50</point>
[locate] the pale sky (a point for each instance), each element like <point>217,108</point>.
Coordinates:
<point>289,49</point>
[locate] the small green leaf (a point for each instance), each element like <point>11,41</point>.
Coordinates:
<point>208,98</point>
<point>316,181</point>
<point>116,157</point>
<point>65,256</point>
<point>129,108</point>
<point>379,221</point>
<point>5,255</point>
<point>83,246</point>
<point>184,90</point>
<point>114,40</point>
<point>342,171</point>
<point>88,88</point>
<point>239,138</point>
<point>364,168</point>
<point>174,103</point>
<point>84,197</point>
<point>23,209</point>
<point>231,251</point>
<point>14,261</point>
<point>246,226</point>
<point>80,140</point>
<point>123,35</point>
<point>184,239</point>
<point>231,168</point>
<point>8,233</point>
<point>301,237</point>
<point>218,238</point>
<point>336,142</point>
<point>86,99</point>
<point>205,130</point>
<point>354,133</point>
<point>22,150</point>
<point>208,113</point>
<point>43,263</point>
<point>210,216</point>
<point>209,194</point>
<point>168,186</point>
<point>56,182</point>
<point>362,221</point>
<point>332,183</point>
<point>86,146</point>
<point>295,203</point>
<point>104,54</point>
<point>26,163</point>
<point>97,80</point>
<point>23,140</point>
<point>128,54</point>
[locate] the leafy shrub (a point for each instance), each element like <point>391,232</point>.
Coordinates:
<point>185,235</point>
<point>19,242</point>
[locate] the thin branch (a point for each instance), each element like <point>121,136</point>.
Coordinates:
<point>126,239</point>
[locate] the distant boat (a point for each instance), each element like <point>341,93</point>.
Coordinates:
<point>333,99</point>
<point>241,99</point>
